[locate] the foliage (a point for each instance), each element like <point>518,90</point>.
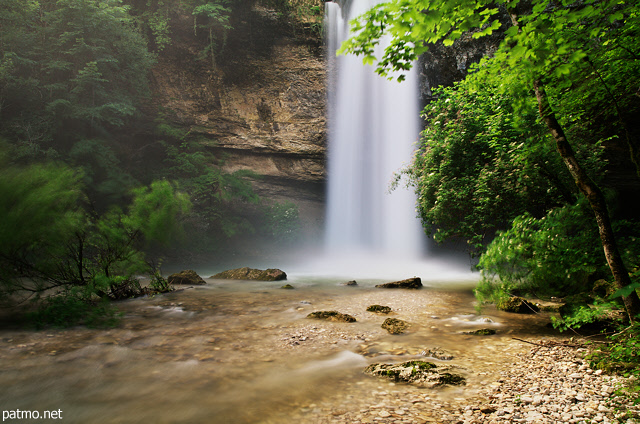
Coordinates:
<point>68,310</point>
<point>584,315</point>
<point>156,210</point>
<point>582,54</point>
<point>39,217</point>
<point>79,61</point>
<point>480,164</point>
<point>214,17</point>
<point>621,356</point>
<point>553,255</point>
<point>73,72</point>
<point>303,15</point>
<point>218,197</point>
<point>52,247</point>
<point>282,222</point>
<point>216,23</point>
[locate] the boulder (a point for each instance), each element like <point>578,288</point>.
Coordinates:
<point>126,289</point>
<point>409,283</point>
<point>437,353</point>
<point>395,326</point>
<point>331,316</point>
<point>517,305</point>
<point>349,283</point>
<point>246,273</point>
<point>379,309</point>
<point>287,287</point>
<point>420,373</point>
<point>482,332</point>
<point>187,277</point>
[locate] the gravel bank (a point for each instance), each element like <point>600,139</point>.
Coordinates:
<point>550,383</point>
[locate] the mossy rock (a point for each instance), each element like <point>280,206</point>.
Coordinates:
<point>409,283</point>
<point>603,289</point>
<point>331,316</point>
<point>351,283</point>
<point>126,289</point>
<point>379,309</point>
<point>287,287</point>
<point>246,273</point>
<point>420,373</point>
<point>395,326</point>
<point>482,332</point>
<point>517,305</point>
<point>438,353</point>
<point>187,277</point>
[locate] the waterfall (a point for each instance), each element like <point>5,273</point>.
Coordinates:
<point>371,233</point>
<point>373,127</point>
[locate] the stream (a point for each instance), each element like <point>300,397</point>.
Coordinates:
<point>244,352</point>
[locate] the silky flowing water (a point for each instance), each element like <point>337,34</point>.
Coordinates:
<point>244,352</point>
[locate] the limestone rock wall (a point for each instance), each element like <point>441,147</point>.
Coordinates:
<point>259,102</point>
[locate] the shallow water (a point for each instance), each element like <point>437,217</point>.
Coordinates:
<point>244,352</point>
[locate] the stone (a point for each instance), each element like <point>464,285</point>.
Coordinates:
<point>349,283</point>
<point>379,309</point>
<point>517,305</point>
<point>334,316</point>
<point>420,373</point>
<point>395,326</point>
<point>437,353</point>
<point>186,277</point>
<point>409,283</point>
<point>482,332</point>
<point>287,287</point>
<point>246,273</point>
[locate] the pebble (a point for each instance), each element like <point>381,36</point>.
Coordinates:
<point>549,384</point>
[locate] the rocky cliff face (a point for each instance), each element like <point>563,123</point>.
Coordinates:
<point>259,102</point>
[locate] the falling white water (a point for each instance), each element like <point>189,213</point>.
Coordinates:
<point>373,127</point>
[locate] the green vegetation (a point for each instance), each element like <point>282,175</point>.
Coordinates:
<point>90,197</point>
<point>514,158</point>
<point>53,247</point>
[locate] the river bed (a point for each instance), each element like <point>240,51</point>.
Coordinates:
<point>244,352</point>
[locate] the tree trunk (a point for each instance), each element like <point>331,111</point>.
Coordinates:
<point>596,199</point>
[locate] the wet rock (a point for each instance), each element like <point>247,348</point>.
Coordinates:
<point>246,273</point>
<point>188,277</point>
<point>437,353</point>
<point>349,283</point>
<point>482,332</point>
<point>420,373</point>
<point>409,283</point>
<point>126,289</point>
<point>331,316</point>
<point>395,326</point>
<point>379,309</point>
<point>287,287</point>
<point>517,305</point>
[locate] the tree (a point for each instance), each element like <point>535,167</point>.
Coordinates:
<point>49,241</point>
<point>550,44</point>
<point>480,164</point>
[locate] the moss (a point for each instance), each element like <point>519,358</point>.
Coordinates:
<point>395,326</point>
<point>421,365</point>
<point>379,309</point>
<point>516,305</point>
<point>331,316</point>
<point>452,379</point>
<point>483,332</point>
